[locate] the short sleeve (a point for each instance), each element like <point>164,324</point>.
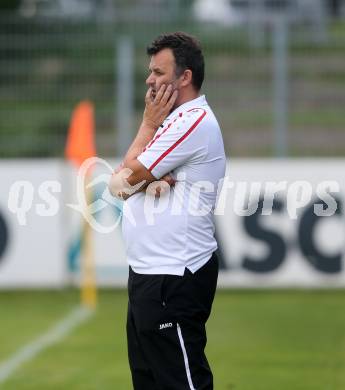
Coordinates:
<point>175,144</point>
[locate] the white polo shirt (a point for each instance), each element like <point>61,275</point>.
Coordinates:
<point>166,235</point>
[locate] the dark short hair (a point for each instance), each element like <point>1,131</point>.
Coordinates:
<point>187,53</point>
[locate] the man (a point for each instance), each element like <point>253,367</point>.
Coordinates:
<point>170,247</point>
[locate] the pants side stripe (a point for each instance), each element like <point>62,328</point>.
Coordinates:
<point>185,358</point>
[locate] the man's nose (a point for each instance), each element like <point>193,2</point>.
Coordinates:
<point>149,80</point>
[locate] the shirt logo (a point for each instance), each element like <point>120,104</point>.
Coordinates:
<point>166,325</point>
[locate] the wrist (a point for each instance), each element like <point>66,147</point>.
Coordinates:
<point>148,126</point>
<point>147,130</point>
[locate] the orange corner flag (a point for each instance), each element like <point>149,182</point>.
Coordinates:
<point>80,143</point>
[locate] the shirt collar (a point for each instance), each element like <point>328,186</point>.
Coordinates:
<point>198,102</point>
<point>195,103</point>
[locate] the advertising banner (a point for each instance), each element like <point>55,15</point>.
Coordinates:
<point>31,224</point>
<point>279,223</point>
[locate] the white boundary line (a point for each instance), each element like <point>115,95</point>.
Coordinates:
<point>56,334</point>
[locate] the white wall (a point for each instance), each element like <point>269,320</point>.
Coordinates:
<point>33,255</point>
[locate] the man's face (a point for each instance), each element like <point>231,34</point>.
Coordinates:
<point>162,71</point>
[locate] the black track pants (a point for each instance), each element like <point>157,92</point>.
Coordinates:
<point>166,328</point>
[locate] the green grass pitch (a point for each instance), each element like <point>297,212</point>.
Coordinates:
<point>257,340</point>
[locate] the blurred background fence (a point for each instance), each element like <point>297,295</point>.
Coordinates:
<point>270,66</point>
<point>275,77</point>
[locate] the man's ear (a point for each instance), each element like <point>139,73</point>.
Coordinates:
<point>186,78</point>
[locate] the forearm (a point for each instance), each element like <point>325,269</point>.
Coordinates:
<point>129,180</point>
<point>143,137</point>
<point>119,183</point>
<point>121,188</point>
<point>131,176</point>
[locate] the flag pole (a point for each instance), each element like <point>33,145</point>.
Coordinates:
<point>88,274</point>
<point>80,146</point>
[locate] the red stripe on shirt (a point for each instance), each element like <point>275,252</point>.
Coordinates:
<point>185,135</point>
<point>157,136</point>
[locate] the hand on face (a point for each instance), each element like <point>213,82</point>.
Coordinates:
<point>158,105</point>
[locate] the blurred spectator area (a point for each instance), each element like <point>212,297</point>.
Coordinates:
<point>55,53</point>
